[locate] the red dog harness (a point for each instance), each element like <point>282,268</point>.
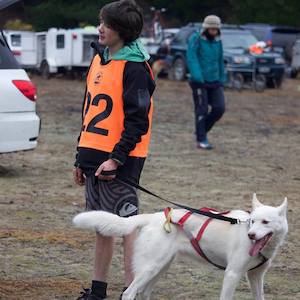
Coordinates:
<point>195,241</point>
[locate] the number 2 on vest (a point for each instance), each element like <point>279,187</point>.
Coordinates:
<point>91,127</point>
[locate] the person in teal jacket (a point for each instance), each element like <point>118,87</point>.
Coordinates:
<point>206,65</point>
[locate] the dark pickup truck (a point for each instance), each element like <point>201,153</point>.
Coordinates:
<point>237,57</point>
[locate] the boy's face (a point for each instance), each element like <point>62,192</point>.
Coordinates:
<point>107,36</point>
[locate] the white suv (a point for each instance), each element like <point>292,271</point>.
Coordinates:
<point>19,123</point>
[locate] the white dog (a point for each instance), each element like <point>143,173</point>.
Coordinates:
<point>239,247</point>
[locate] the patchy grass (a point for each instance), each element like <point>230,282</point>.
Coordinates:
<point>256,150</point>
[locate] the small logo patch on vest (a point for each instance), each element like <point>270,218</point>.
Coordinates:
<point>98,77</point>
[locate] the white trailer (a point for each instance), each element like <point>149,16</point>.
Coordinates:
<point>23,46</point>
<point>61,50</point>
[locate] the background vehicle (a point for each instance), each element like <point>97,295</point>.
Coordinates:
<point>269,66</point>
<point>19,123</point>
<point>23,46</point>
<point>237,58</point>
<point>61,50</point>
<point>279,37</point>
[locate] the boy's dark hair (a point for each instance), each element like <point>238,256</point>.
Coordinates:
<point>125,17</point>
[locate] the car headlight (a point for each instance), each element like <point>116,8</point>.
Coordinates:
<point>279,60</point>
<point>242,60</point>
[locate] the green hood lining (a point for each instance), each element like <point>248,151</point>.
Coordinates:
<point>133,51</point>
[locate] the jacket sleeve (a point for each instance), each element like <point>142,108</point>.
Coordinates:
<point>138,87</point>
<point>221,65</point>
<point>193,59</point>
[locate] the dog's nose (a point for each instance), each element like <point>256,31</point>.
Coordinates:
<point>251,236</point>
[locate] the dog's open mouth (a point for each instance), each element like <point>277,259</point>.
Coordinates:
<point>258,245</point>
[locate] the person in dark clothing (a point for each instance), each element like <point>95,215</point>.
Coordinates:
<point>116,128</point>
<point>206,65</point>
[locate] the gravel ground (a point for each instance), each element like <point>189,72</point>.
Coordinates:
<point>256,150</point>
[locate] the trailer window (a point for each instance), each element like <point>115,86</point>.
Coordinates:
<point>60,41</point>
<point>15,40</point>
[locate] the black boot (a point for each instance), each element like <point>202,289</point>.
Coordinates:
<point>88,295</point>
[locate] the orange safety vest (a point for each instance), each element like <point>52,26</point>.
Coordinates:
<point>103,113</point>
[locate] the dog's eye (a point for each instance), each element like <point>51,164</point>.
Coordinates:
<point>252,221</point>
<point>265,222</point>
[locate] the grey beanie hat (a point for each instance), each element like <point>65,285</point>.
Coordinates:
<point>212,21</point>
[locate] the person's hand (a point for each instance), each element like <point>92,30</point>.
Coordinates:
<point>109,165</point>
<point>78,176</point>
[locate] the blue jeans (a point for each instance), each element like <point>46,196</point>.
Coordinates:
<point>205,96</point>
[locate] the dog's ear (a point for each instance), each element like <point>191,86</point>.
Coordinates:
<point>283,207</point>
<point>255,202</point>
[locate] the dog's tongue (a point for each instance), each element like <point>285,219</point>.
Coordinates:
<point>258,245</point>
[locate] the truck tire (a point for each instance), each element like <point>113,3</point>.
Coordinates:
<point>275,82</point>
<point>294,73</point>
<point>259,83</point>
<point>45,70</point>
<point>238,81</point>
<point>178,69</point>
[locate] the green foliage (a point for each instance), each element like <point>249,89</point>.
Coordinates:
<point>17,24</point>
<point>69,13</point>
<point>64,13</point>
<point>193,10</point>
<point>285,12</point>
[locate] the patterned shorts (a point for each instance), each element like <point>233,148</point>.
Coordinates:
<point>111,196</point>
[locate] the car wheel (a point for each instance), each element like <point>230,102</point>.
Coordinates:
<point>237,81</point>
<point>179,69</point>
<point>275,82</point>
<point>294,73</point>
<point>44,69</point>
<point>260,83</point>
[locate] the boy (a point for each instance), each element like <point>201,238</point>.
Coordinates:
<point>117,116</point>
<point>206,65</point>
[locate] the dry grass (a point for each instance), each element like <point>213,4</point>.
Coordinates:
<point>257,149</point>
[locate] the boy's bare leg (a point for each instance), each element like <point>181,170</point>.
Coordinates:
<point>103,256</point>
<point>128,242</point>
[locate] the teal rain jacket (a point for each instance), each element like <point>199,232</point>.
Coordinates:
<point>205,59</point>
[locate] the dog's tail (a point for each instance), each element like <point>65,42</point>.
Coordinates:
<point>109,224</point>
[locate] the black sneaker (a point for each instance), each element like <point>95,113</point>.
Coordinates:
<point>87,295</point>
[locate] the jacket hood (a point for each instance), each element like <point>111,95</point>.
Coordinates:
<point>133,51</point>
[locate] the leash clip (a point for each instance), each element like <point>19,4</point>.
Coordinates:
<point>239,221</point>
<point>167,224</point>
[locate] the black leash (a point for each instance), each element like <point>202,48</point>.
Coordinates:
<point>191,209</point>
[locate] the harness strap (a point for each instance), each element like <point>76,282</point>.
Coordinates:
<point>198,249</point>
<point>201,231</point>
<point>195,241</point>
<point>184,218</point>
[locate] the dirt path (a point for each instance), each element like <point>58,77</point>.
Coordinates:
<point>257,149</point>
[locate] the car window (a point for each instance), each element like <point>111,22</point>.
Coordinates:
<point>260,33</point>
<point>286,30</point>
<point>183,36</point>
<point>238,40</point>
<point>15,40</point>
<point>7,59</point>
<point>60,41</point>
